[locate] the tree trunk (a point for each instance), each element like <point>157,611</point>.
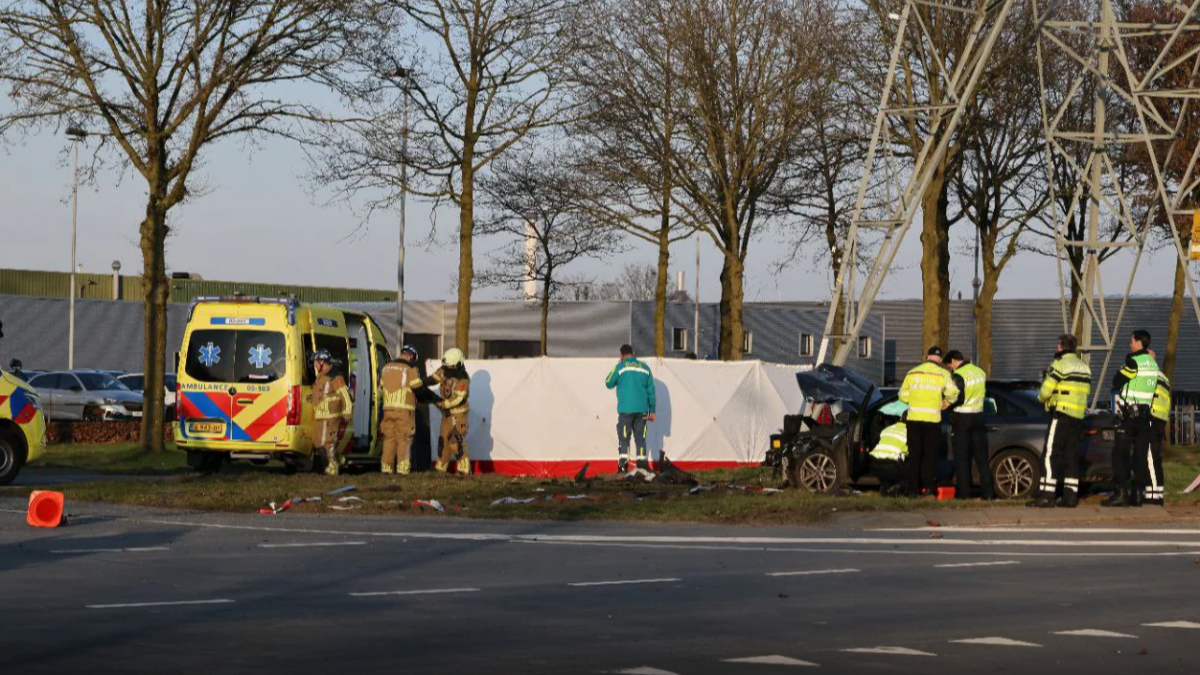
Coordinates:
<point>660,287</point>
<point>732,299</point>
<point>983,321</point>
<point>835,265</point>
<point>935,263</point>
<point>1180,290</point>
<point>545,311</point>
<point>466,260</point>
<point>153,245</point>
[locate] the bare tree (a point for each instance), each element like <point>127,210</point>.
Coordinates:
<point>639,283</point>
<point>485,74</point>
<point>745,71</point>
<point>162,81</point>
<point>627,118</point>
<point>532,199</point>
<point>1000,184</point>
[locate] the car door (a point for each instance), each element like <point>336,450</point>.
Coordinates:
<point>72,397</point>
<point>47,388</point>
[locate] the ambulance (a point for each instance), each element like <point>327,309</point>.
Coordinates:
<point>244,381</point>
<point>22,426</point>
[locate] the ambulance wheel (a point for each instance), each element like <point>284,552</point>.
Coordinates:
<point>204,462</point>
<point>818,471</point>
<point>12,456</point>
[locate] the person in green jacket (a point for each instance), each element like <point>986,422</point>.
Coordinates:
<point>635,406</point>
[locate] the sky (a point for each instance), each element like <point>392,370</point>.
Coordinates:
<point>260,221</point>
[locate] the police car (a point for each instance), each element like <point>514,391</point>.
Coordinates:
<point>22,426</point>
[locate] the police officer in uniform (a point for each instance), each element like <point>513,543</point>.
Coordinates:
<point>1135,384</point>
<point>889,459</point>
<point>928,389</point>
<point>1065,393</point>
<point>455,389</point>
<point>969,431</point>
<point>399,422</point>
<point>1160,419</point>
<point>333,409</point>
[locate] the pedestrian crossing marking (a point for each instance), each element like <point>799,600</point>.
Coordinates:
<point>1173,624</point>
<point>774,660</point>
<point>996,641</point>
<point>897,651</point>
<point>1092,632</point>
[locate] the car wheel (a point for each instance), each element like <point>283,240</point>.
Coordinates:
<point>818,472</point>
<point>1015,473</point>
<point>12,456</point>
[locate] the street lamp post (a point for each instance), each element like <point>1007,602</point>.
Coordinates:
<point>406,75</point>
<point>76,135</point>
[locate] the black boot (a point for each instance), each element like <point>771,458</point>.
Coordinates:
<point>1117,499</point>
<point>622,465</point>
<point>1069,500</point>
<point>1042,502</point>
<point>1133,498</point>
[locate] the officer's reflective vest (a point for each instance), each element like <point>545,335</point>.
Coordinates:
<point>925,389</point>
<point>1139,390</point>
<point>974,388</point>
<point>1067,386</point>
<point>893,443</point>
<point>1160,407</point>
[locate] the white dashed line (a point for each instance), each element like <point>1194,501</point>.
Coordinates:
<point>982,564</point>
<point>1092,632</point>
<point>428,591</point>
<point>624,582</point>
<point>897,651</point>
<point>222,601</point>
<point>314,544</point>
<point>995,641</point>
<point>135,549</point>
<point>774,660</point>
<point>1039,530</point>
<point>804,573</point>
<point>1173,624</point>
<point>644,670</point>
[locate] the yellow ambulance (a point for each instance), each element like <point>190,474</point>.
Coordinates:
<point>22,426</point>
<point>244,378</point>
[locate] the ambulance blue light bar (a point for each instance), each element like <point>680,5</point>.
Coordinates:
<point>292,304</point>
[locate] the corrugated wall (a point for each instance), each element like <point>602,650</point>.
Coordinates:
<point>575,328</point>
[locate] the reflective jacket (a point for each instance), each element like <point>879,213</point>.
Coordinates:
<point>397,382</point>
<point>455,389</point>
<point>1160,407</point>
<point>1067,386</point>
<point>1136,381</point>
<point>893,443</point>
<point>331,397</point>
<point>634,384</point>
<point>974,388</point>
<point>926,389</point>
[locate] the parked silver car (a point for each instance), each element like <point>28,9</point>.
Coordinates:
<point>86,395</point>
<point>136,382</point>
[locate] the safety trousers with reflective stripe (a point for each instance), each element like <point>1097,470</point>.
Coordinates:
<point>1060,461</point>
<point>1148,467</point>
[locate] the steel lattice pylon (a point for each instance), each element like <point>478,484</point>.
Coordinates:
<point>1097,47</point>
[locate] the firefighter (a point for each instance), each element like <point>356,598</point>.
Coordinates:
<point>928,389</point>
<point>969,431</point>
<point>332,409</point>
<point>889,458</point>
<point>399,423</point>
<point>635,406</point>
<point>455,389</point>
<point>1065,393</point>
<point>1135,385</point>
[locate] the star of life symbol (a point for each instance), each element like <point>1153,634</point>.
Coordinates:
<point>260,356</point>
<point>210,355</point>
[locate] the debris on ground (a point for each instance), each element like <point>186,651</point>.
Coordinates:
<point>513,500</point>
<point>639,475</point>
<point>670,474</point>
<point>346,488</point>
<point>431,503</point>
<point>566,496</point>
<point>350,507</point>
<point>272,508</point>
<point>300,500</point>
<point>581,477</point>
<point>351,498</point>
<point>702,488</point>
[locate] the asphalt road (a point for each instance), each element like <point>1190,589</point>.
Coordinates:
<point>125,590</point>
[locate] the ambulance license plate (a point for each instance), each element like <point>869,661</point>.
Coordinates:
<point>206,427</point>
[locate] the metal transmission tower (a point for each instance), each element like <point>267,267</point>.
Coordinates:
<point>1123,87</point>
<point>1108,104</point>
<point>940,51</point>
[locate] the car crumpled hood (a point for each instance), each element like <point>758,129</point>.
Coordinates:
<point>827,383</point>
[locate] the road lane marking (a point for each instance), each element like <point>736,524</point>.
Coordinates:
<point>982,564</point>
<point>862,551</point>
<point>1173,624</point>
<point>995,641</point>
<point>314,544</point>
<point>644,670</point>
<point>132,549</point>
<point>1093,632</point>
<point>1038,530</point>
<point>427,591</point>
<point>897,651</point>
<point>804,573</point>
<point>622,582</point>
<point>774,660</point>
<point>221,601</point>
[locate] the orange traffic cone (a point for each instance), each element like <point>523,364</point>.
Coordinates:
<point>45,508</point>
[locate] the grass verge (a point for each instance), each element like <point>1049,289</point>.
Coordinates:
<point>738,497</point>
<point>115,458</point>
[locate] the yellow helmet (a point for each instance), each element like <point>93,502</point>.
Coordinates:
<point>452,357</point>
